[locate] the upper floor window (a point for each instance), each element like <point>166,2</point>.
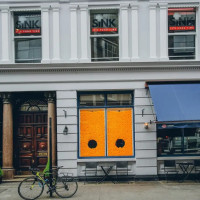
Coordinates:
<point>27,37</point>
<point>181,33</point>
<point>104,33</point>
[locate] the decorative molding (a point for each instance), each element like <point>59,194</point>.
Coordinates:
<point>134,6</point>
<point>152,5</point>
<point>6,97</point>
<point>183,5</point>
<point>50,96</point>
<point>55,7</point>
<point>83,7</point>
<point>163,5</point>
<point>104,8</point>
<point>25,9</point>
<point>89,67</point>
<point>4,9</point>
<point>73,7</point>
<point>124,6</point>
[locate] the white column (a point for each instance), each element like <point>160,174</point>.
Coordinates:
<point>124,33</point>
<point>84,33</point>
<point>153,36</point>
<point>5,34</point>
<point>163,31</point>
<point>134,32</point>
<point>56,33</point>
<point>45,35</point>
<point>74,37</point>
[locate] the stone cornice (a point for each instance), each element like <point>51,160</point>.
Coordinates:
<point>112,66</point>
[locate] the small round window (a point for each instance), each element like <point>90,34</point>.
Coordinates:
<point>92,144</point>
<point>120,143</point>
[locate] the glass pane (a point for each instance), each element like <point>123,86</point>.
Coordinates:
<point>181,20</point>
<point>105,49</point>
<point>104,22</point>
<point>28,50</point>
<point>92,100</point>
<point>181,47</point>
<point>169,142</point>
<point>192,141</point>
<point>26,24</point>
<point>119,99</point>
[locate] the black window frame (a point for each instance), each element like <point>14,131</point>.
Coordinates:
<point>179,46</point>
<point>28,36</point>
<point>110,39</point>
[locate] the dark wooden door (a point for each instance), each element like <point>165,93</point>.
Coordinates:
<point>1,136</point>
<point>32,140</point>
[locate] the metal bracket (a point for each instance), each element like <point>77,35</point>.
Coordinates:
<point>65,113</point>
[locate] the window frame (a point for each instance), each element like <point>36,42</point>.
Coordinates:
<point>104,35</point>
<point>79,107</point>
<point>194,33</point>
<point>15,37</point>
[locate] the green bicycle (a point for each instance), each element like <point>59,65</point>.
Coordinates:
<point>33,187</point>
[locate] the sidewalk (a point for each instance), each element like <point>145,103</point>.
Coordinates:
<point>148,190</point>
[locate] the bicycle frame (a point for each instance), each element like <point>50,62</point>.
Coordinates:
<point>43,180</point>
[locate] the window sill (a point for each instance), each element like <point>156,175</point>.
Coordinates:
<point>83,160</point>
<point>178,157</point>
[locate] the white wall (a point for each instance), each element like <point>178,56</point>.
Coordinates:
<point>147,21</point>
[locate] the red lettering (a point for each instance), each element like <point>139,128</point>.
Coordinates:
<point>104,29</point>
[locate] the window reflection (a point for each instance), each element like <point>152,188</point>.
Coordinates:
<point>28,50</point>
<point>178,141</point>
<point>92,100</point>
<point>119,99</point>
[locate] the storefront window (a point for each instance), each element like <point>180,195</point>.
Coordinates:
<point>182,32</point>
<point>104,35</point>
<point>178,141</point>
<point>106,125</point>
<point>27,35</point>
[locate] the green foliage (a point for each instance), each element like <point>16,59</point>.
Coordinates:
<point>1,172</point>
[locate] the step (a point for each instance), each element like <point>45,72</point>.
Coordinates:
<point>17,178</point>
<point>12,180</point>
<point>21,176</point>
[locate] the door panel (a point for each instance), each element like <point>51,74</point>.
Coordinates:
<point>32,140</point>
<point>92,133</point>
<point>120,132</point>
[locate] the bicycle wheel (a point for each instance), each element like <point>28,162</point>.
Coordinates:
<point>30,188</point>
<point>66,187</point>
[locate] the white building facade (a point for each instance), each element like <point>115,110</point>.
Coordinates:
<point>84,62</point>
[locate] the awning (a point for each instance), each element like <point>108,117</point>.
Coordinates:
<point>176,103</point>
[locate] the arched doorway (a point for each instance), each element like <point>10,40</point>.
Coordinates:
<point>30,136</point>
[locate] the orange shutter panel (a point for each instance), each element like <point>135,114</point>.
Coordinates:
<point>92,133</point>
<point>120,132</point>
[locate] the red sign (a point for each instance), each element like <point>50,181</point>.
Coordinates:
<point>173,28</point>
<point>20,31</point>
<point>104,29</point>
